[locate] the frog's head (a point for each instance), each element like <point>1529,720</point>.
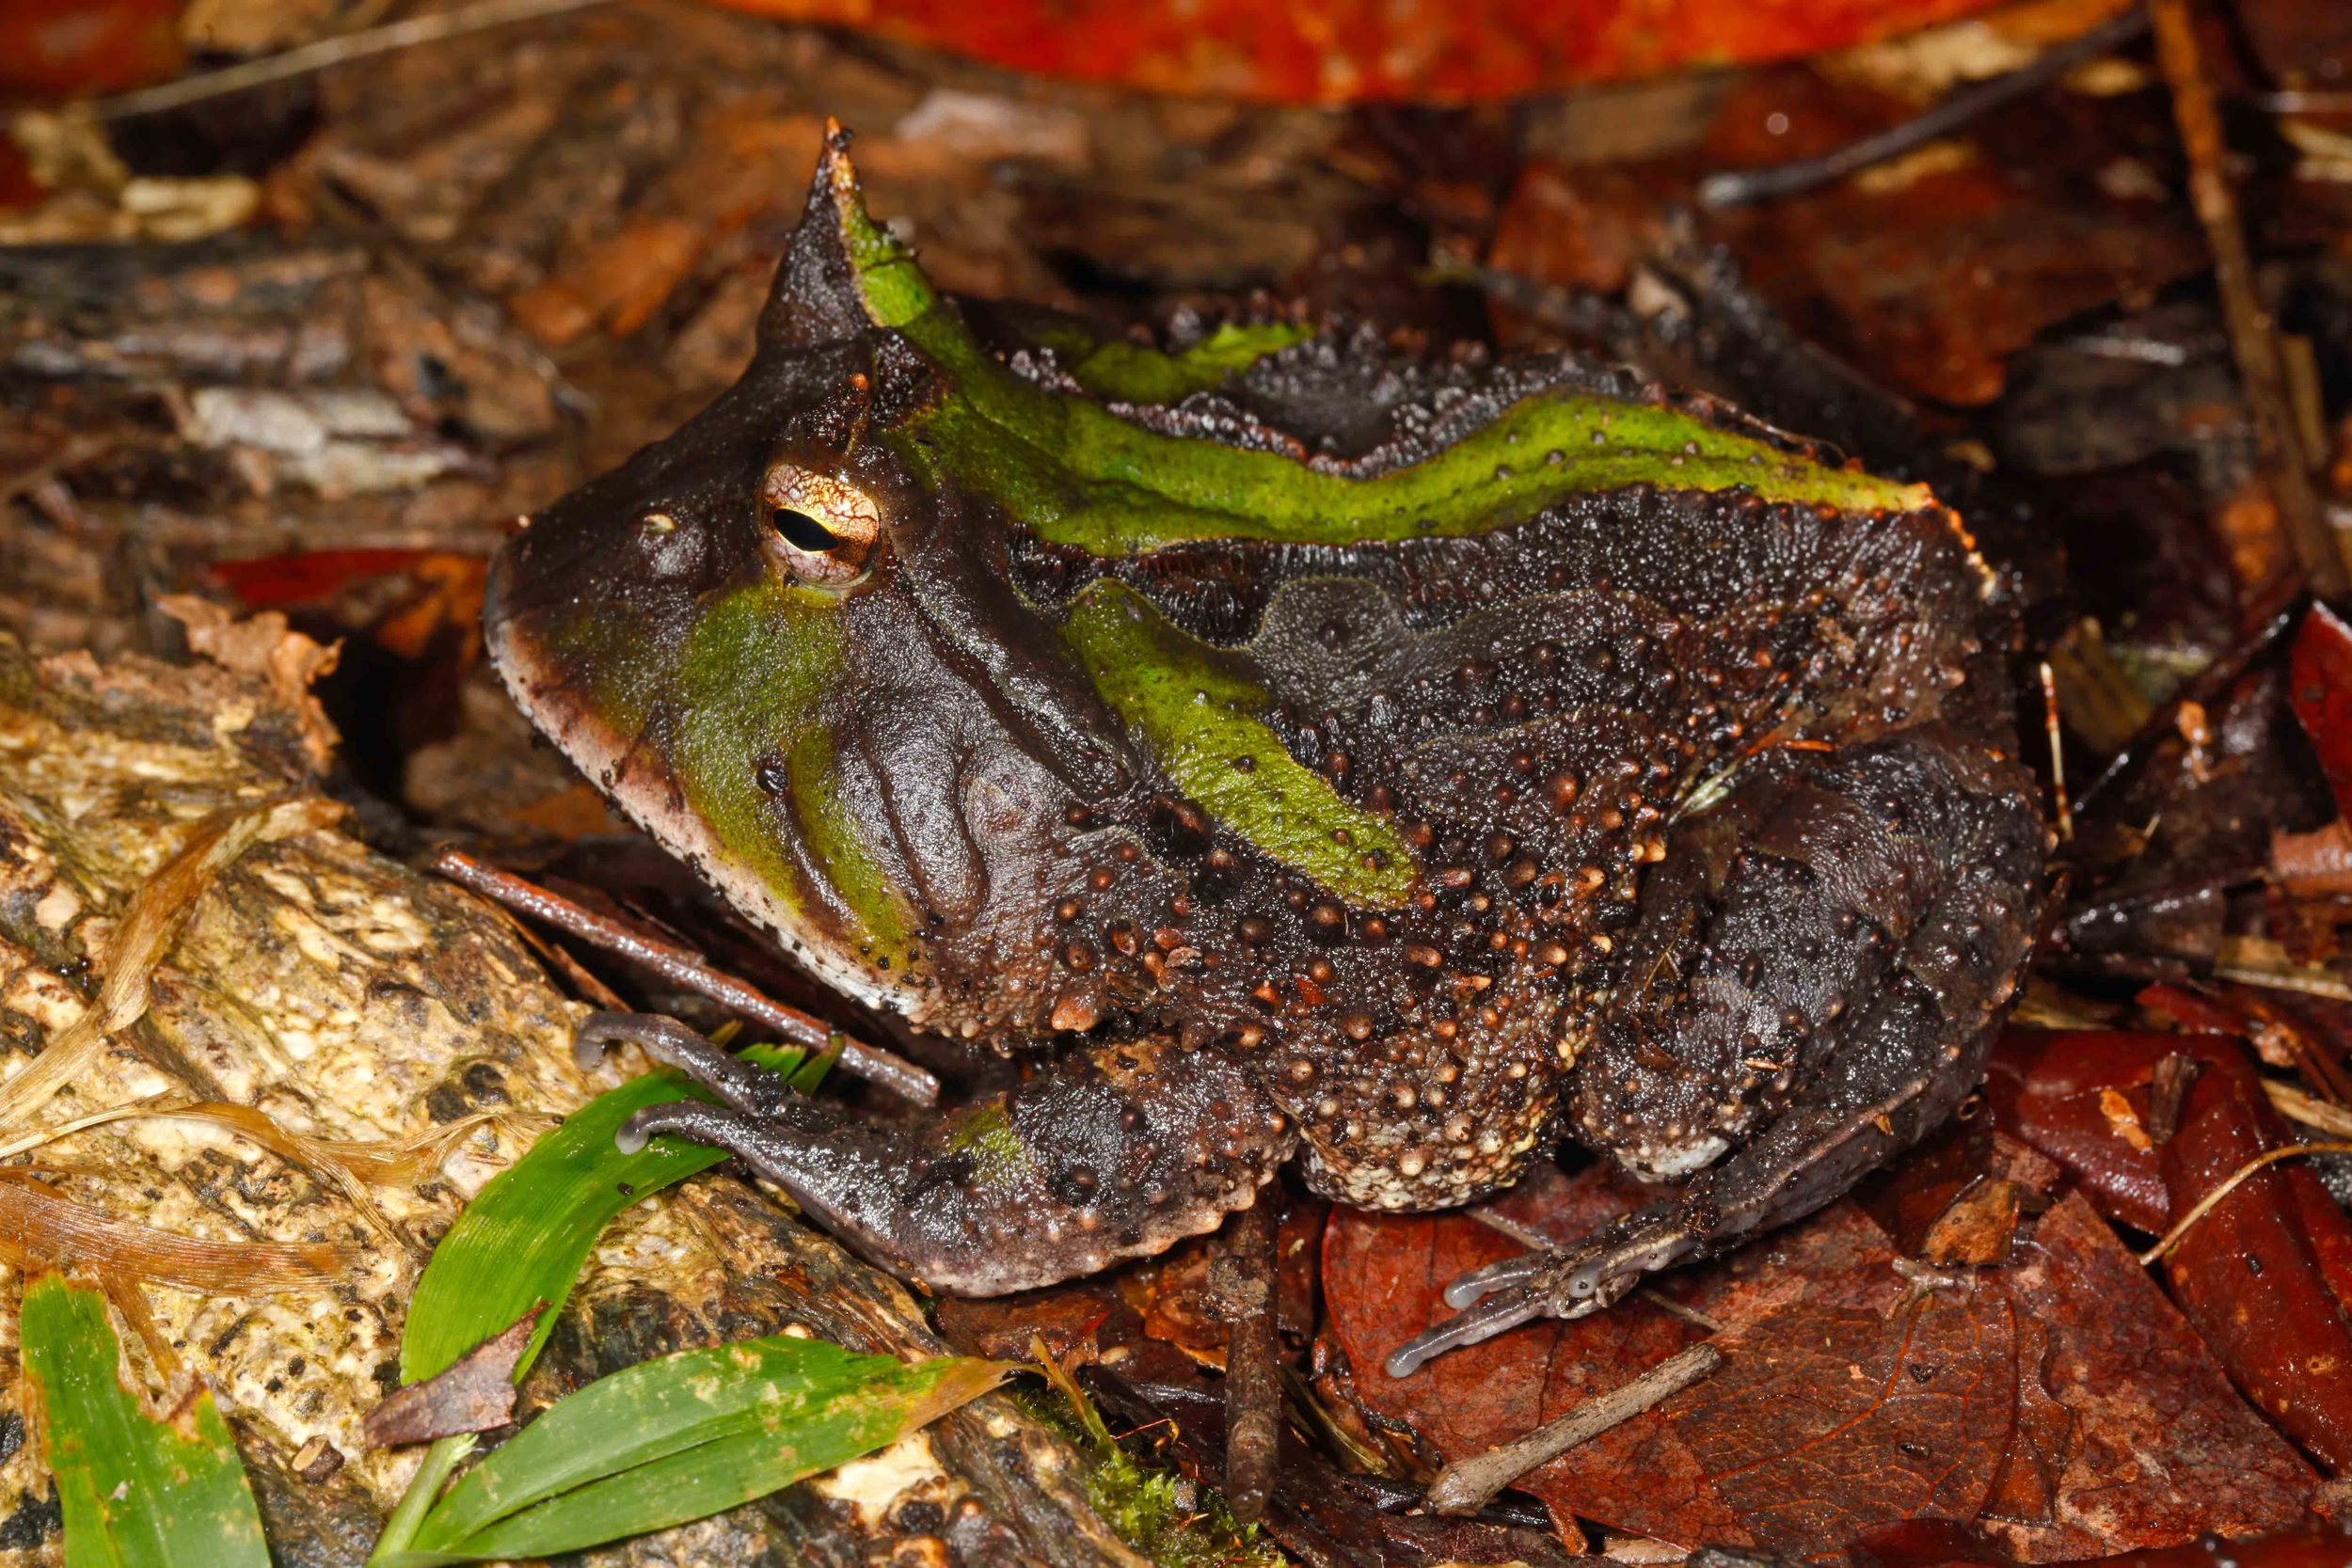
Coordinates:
<point>775,640</point>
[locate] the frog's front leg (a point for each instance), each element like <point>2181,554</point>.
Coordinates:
<point>1112,1153</point>
<point>1814,978</point>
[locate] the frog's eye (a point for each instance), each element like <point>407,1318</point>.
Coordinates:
<point>820,528</point>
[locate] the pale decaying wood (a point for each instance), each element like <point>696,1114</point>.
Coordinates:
<point>352,998</point>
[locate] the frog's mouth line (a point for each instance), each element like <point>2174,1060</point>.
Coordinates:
<point>616,766</point>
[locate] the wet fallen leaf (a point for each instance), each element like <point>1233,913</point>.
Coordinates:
<point>1828,1420</point>
<point>2164,1449</point>
<point>1941,1544</point>
<point>2061,1401</point>
<point>475,1393</point>
<point>2266,1274</point>
<point>1929,271</point>
<point>1341,51</point>
<point>2319,672</point>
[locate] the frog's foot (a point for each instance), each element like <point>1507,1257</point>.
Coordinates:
<point>1814,977</point>
<point>1564,1282</point>
<point>1118,1152</point>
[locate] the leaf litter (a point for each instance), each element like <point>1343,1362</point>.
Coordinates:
<point>2032,267</point>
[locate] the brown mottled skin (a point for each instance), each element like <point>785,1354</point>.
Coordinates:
<point>1725,869</point>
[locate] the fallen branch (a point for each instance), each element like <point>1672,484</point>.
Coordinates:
<point>683,969</point>
<point>1466,1486</point>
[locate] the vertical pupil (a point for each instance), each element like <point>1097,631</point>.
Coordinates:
<point>801,530</point>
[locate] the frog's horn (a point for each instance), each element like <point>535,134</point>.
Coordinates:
<point>842,273</point>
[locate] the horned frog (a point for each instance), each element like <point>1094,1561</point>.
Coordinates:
<point>1292,745</point>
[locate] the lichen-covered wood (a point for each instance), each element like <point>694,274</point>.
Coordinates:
<point>352,998</point>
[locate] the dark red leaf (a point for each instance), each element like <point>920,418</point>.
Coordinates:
<point>2165,1449</point>
<point>2062,1399</point>
<point>2081,1098</point>
<point>1935,1544</point>
<point>2319,672</point>
<point>1343,51</point>
<point>305,577</point>
<point>2250,1274</point>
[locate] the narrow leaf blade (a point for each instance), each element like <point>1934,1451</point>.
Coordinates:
<point>136,1491</point>
<point>648,1411</point>
<point>686,1436</point>
<point>523,1237</point>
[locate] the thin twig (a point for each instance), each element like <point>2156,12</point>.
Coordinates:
<point>1253,1386</point>
<point>2304,981</point>
<point>1465,1487</point>
<point>2253,340</point>
<point>2204,1205</point>
<point>2309,1109</point>
<point>683,969</point>
<point>2057,754</point>
<point>327,53</point>
<point>1739,187</point>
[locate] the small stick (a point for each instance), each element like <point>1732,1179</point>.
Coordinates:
<point>683,969</point>
<point>2168,1092</point>
<point>2309,1110</point>
<point>1465,1487</point>
<point>1743,186</point>
<point>1253,1390</point>
<point>2253,343</point>
<point>430,28</point>
<point>2057,754</point>
<point>2205,1204</point>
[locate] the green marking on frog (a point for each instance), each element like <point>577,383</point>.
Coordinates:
<point>988,1139</point>
<point>1079,475</point>
<point>1198,715</point>
<point>752,679</point>
<point>1129,372</point>
<point>1120,372</point>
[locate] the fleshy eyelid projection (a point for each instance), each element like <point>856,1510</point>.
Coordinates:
<point>819,528</point>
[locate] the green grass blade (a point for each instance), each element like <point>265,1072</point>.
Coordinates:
<point>682,1437</point>
<point>523,1237</point>
<point>136,1491</point>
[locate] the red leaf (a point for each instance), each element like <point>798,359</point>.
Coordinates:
<point>1827,1421</point>
<point>1350,51</point>
<point>2167,1449</point>
<point>1939,1545</point>
<point>2081,1098</point>
<point>1818,1428</point>
<point>305,577</point>
<point>70,48</point>
<point>2319,678</point>
<point>2253,1274</point>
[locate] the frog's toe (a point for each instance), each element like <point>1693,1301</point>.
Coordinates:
<point>1482,1282</point>
<point>1505,1310</point>
<point>749,1088</point>
<point>754,1140</point>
